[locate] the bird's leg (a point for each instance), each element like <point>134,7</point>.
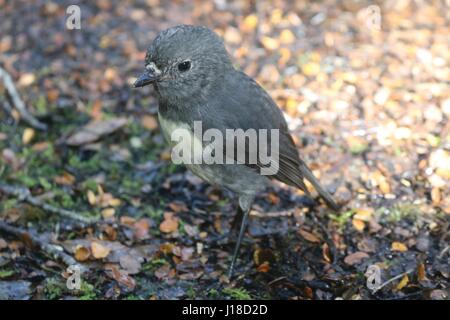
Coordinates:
<point>236,223</point>
<point>245,203</point>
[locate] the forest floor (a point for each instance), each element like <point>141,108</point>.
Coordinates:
<point>367,100</point>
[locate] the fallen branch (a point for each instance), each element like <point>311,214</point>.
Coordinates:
<point>54,251</point>
<point>17,102</point>
<point>23,194</point>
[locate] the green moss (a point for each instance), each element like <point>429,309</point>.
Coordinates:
<point>87,291</point>
<point>342,218</point>
<point>54,288</point>
<point>154,264</point>
<point>6,273</point>
<point>237,293</point>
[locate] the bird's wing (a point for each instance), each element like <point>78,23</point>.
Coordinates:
<point>240,103</point>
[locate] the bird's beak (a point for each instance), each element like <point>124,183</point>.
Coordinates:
<point>145,79</point>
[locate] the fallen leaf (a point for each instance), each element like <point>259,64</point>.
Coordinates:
<point>287,37</point>
<point>311,69</point>
<point>82,253</point>
<point>94,130</point>
<point>421,276</point>
<point>141,229</point>
<point>249,24</point>
<point>263,267</point>
<point>402,283</point>
<point>92,199</point>
<point>108,213</point>
<point>398,246</point>
<point>359,225</point>
<point>309,236</point>
<point>355,258</point>
<point>130,264</point>
<point>149,122</point>
<point>65,179</point>
<point>170,223</point>
<point>99,251</point>
<point>26,79</point>
<point>261,256</point>
<point>28,135</point>
<point>270,43</point>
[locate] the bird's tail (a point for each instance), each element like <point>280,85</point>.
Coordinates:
<point>322,192</point>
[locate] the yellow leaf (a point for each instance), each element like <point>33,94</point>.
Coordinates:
<point>270,43</point>
<point>363,214</point>
<point>287,37</point>
<point>108,213</point>
<point>92,199</point>
<point>403,282</point>
<point>82,253</point>
<point>28,135</point>
<point>114,202</point>
<point>26,79</point>
<point>99,251</point>
<point>311,69</point>
<point>250,22</point>
<point>358,224</point>
<point>398,246</point>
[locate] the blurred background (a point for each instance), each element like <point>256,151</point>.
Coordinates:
<point>364,85</point>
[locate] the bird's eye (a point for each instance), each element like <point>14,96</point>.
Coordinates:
<point>184,66</point>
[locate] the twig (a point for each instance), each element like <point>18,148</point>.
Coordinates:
<point>391,280</point>
<point>328,239</point>
<point>18,103</point>
<point>23,194</point>
<point>54,251</point>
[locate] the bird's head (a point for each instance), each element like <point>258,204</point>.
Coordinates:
<point>183,62</point>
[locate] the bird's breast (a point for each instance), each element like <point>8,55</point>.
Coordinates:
<point>180,135</point>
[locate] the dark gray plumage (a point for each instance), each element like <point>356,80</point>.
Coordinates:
<point>195,80</point>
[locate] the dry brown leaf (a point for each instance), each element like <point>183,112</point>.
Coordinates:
<point>421,275</point>
<point>99,251</point>
<point>436,196</point>
<point>65,179</point>
<point>149,122</point>
<point>94,130</point>
<point>170,223</point>
<point>355,258</point>
<point>359,225</point>
<point>141,229</point>
<point>130,264</point>
<point>309,236</point>
<point>82,253</point>
<point>263,267</point>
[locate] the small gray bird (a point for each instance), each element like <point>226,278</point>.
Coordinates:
<point>195,80</point>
